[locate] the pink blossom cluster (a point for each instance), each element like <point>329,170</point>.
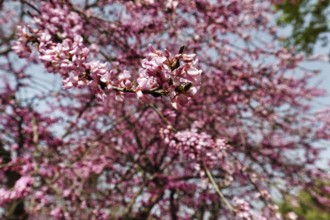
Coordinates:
<point>62,24</point>
<point>62,50</point>
<point>23,39</point>
<point>198,146</point>
<point>22,187</point>
<point>242,209</point>
<point>61,47</point>
<point>162,72</point>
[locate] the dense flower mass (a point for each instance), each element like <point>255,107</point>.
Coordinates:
<point>199,147</point>
<point>62,50</point>
<point>164,74</point>
<point>144,109</point>
<point>21,188</point>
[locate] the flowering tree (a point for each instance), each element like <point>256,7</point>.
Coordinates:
<point>168,110</point>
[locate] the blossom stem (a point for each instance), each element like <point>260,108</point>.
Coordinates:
<point>216,187</point>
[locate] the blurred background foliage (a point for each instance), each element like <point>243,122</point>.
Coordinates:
<point>309,23</point>
<point>307,204</point>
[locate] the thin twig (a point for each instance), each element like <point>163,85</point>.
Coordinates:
<point>209,175</point>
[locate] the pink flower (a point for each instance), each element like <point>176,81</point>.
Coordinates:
<point>23,183</point>
<point>161,71</point>
<point>21,45</point>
